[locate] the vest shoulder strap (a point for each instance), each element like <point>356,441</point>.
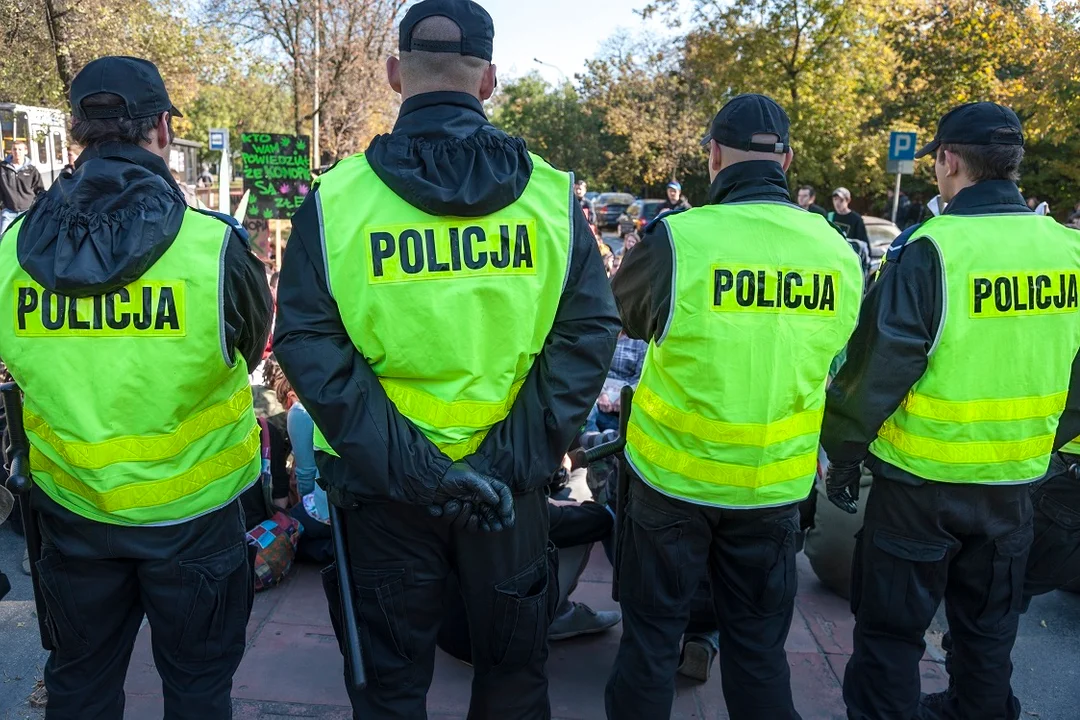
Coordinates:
<point>229,220</point>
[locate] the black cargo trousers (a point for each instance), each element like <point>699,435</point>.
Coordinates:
<point>1054,560</point>
<point>401,559</point>
<point>965,543</point>
<point>668,548</point>
<point>192,581</point>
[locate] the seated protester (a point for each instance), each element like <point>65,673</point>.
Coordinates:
<point>253,500</point>
<point>313,513</point>
<point>625,370</point>
<point>573,531</point>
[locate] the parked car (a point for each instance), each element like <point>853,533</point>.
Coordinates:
<point>609,206</point>
<point>881,233</point>
<point>638,215</point>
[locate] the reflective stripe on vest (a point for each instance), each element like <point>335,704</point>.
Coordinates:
<point>721,416</point>
<point>450,313</point>
<point>987,408</point>
<point>134,413</point>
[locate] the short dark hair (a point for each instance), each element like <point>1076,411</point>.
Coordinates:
<point>580,181</point>
<point>122,130</point>
<point>808,189</point>
<point>988,162</point>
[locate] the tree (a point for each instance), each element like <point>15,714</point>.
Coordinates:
<point>355,35</point>
<point>644,100</point>
<point>553,121</point>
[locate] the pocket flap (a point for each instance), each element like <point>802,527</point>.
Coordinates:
<point>908,549</point>
<point>651,517</point>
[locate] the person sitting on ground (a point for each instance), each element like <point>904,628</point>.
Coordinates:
<point>625,369</point>
<point>311,512</point>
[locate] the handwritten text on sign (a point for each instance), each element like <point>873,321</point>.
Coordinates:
<point>276,171</point>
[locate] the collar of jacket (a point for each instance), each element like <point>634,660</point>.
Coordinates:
<point>750,181</point>
<point>444,113</point>
<point>990,197</point>
<point>132,154</point>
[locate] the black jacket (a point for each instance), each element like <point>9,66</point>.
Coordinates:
<point>668,206</point>
<point>898,322</point>
<point>103,226</point>
<point>444,158</point>
<point>643,284</point>
<point>18,188</point>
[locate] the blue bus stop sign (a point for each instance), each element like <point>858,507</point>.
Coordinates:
<point>218,139</point>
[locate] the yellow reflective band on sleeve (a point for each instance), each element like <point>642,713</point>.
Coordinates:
<point>426,408</point>
<point>132,448</point>
<point>754,434</point>
<point>980,410</point>
<point>718,473</point>
<point>965,452</point>
<point>156,492</point>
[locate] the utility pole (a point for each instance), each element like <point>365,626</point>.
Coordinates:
<point>315,153</point>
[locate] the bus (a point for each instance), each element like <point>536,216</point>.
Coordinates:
<point>43,130</point>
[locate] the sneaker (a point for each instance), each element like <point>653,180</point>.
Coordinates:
<point>698,654</point>
<point>26,561</point>
<point>581,619</point>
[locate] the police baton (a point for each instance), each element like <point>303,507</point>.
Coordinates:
<point>348,607</point>
<point>581,458</point>
<point>20,482</point>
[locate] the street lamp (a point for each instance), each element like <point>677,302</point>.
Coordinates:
<point>538,61</point>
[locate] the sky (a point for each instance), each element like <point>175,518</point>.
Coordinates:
<point>563,33</point>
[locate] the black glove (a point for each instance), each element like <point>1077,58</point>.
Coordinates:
<point>471,501</point>
<point>842,485</point>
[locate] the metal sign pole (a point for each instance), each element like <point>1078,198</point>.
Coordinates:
<point>896,198</point>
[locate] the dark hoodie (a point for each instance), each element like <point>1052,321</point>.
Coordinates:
<point>101,227</point>
<point>443,158</point>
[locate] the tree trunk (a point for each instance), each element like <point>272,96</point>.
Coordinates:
<point>296,95</point>
<point>60,19</point>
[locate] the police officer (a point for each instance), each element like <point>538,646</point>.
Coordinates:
<point>952,392</point>
<point>446,320</point>
<point>130,322</point>
<point>745,302</point>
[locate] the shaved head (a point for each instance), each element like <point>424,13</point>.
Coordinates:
<point>419,72</point>
<point>722,156</point>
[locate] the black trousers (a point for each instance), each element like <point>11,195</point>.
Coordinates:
<point>1054,560</point>
<point>1055,553</point>
<point>194,583</point>
<point>964,543</point>
<point>401,559</point>
<point>669,546</point>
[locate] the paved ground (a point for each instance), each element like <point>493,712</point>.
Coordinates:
<point>293,669</point>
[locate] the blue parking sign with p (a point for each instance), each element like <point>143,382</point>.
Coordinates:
<point>902,146</point>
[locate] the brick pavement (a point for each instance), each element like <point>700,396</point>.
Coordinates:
<point>293,669</point>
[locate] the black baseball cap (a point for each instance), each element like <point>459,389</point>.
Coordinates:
<point>746,116</point>
<point>979,123</point>
<point>136,80</point>
<point>477,29</point>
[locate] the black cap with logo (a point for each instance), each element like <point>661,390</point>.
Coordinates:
<point>745,116</point>
<point>477,29</point>
<point>980,123</point>
<point>135,80</point>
